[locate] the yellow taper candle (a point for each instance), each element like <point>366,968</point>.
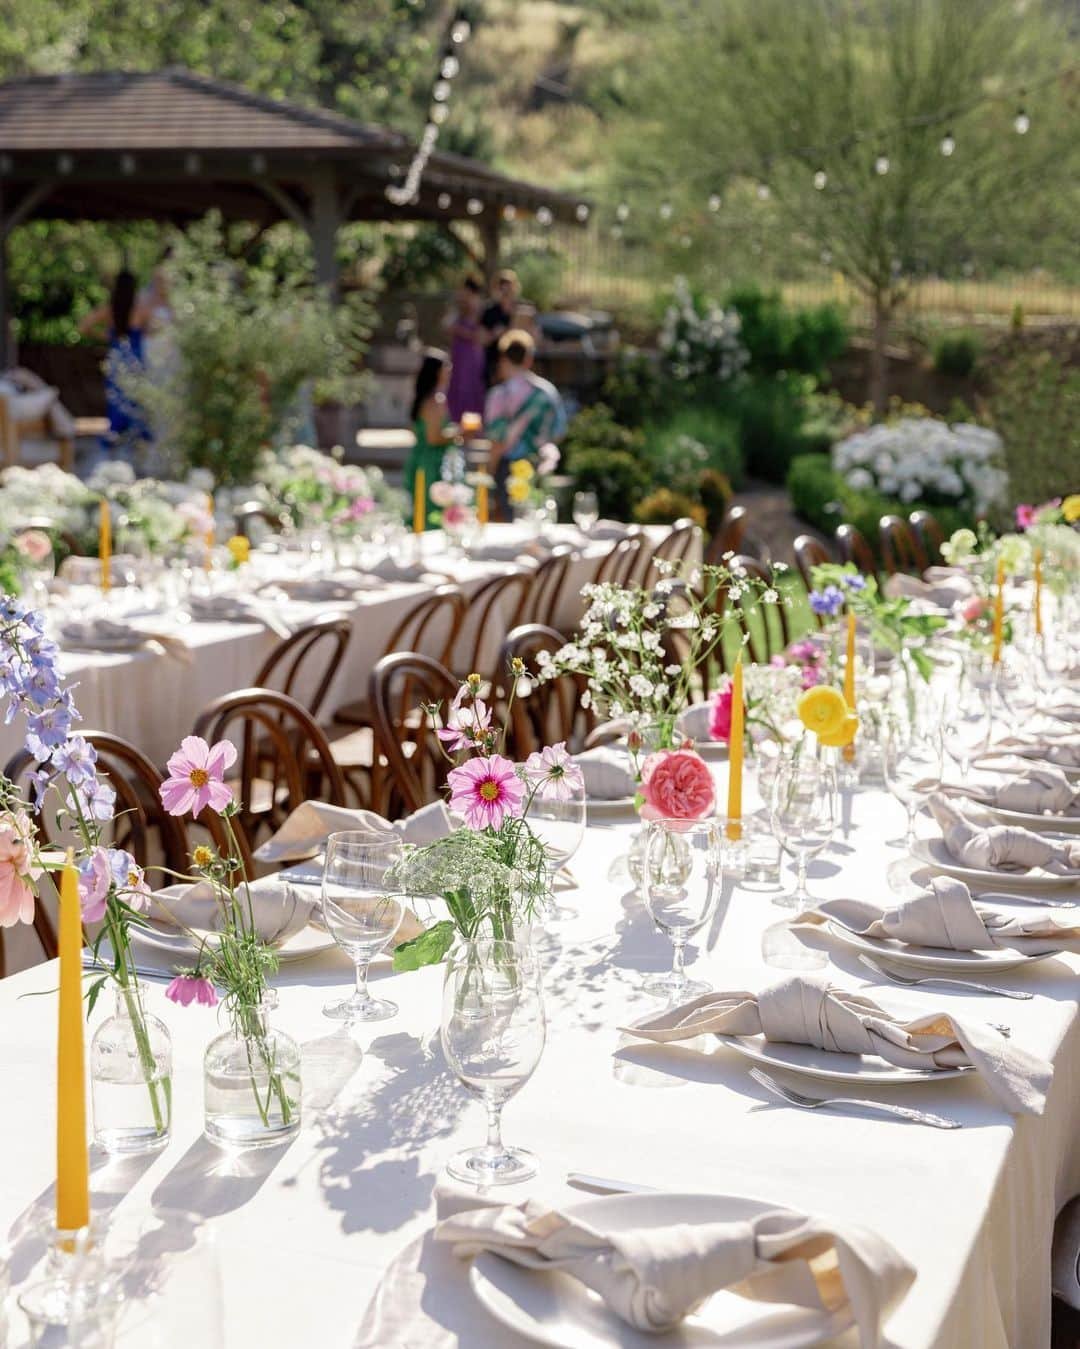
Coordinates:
<point>419,502</point>
<point>735,756</point>
<point>105,543</point>
<point>482,503</point>
<point>1038,593</point>
<point>849,678</point>
<point>999,611</point>
<point>72,1162</point>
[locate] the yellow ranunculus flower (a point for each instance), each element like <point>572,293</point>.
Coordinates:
<point>1070,508</point>
<point>844,736</point>
<point>240,548</point>
<point>517,489</point>
<point>521,468</point>
<point>823,711</point>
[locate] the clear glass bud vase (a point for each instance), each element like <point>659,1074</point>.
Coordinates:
<point>131,1077</point>
<point>251,1081</point>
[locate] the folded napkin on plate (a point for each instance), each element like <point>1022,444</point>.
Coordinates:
<point>280,910</point>
<point>1061,753</point>
<point>312,589</point>
<point>237,609</point>
<point>606,529</point>
<point>654,1277</point>
<point>87,570</point>
<point>389,569</point>
<point>1028,788</point>
<point>504,552</point>
<point>803,1010</point>
<point>1064,704</point>
<point>938,586</point>
<point>975,840</point>
<point>308,827</point>
<point>946,916</point>
<point>694,722</point>
<point>105,634</point>
<point>608,773</point>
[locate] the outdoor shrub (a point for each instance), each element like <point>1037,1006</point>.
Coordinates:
<point>596,428</point>
<point>770,412</point>
<point>670,444</point>
<point>619,479</point>
<point>540,272</point>
<point>430,258</point>
<point>635,390</point>
<point>1035,405</point>
<point>779,337</point>
<point>956,353</point>
<point>664,507</point>
<point>714,493</point>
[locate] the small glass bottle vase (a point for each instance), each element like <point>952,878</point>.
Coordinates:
<point>131,1077</point>
<point>251,1081</point>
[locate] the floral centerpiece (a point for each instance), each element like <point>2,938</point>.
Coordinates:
<point>310,489</point>
<point>494,872</point>
<point>527,485</point>
<point>770,698</point>
<point>893,623</point>
<point>455,506</point>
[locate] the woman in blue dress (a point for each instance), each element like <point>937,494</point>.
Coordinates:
<point>123,320</point>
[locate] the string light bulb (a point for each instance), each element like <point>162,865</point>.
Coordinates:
<point>460,31</point>
<point>665,210</point>
<point>763,192</point>
<point>881,165</point>
<point>444,201</point>
<point>439,113</point>
<point>820,179</point>
<point>543,215</point>
<point>474,206</point>
<point>450,67</point>
<point>715,202</point>
<point>948,144</point>
<point>509,211</point>
<point>441,91</point>
<point>622,211</point>
<point>581,211</point>
<point>1021,122</point>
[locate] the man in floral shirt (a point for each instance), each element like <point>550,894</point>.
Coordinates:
<point>523,412</point>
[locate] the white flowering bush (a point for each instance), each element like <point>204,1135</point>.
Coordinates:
<point>701,343</point>
<point>924,459</point>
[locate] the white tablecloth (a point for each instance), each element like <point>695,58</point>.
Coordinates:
<point>305,1232</point>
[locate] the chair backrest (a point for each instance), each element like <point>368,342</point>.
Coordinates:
<point>492,611</point>
<point>304,665</point>
<point>675,547</point>
<point>764,624</point>
<point>551,709</point>
<point>852,547</point>
<point>900,550</point>
<point>621,562</point>
<point>929,534</point>
<point>728,538</point>
<point>416,766</point>
<point>431,626</point>
<point>548,584</point>
<point>283,757</point>
<point>809,553</point>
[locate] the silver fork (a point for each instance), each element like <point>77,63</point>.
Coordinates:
<point>802,1102</point>
<point>936,981</point>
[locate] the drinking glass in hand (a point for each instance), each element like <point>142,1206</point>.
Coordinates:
<point>362,913</point>
<point>493,1033</point>
<point>912,763</point>
<point>586,510</point>
<point>803,815</point>
<point>681,881</point>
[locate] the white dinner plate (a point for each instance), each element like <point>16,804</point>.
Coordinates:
<point>1038,824</point>
<point>128,641</point>
<point>309,941</point>
<point>934,852</point>
<point>620,807</point>
<point>860,1070</point>
<point>995,760</point>
<point>556,1309</point>
<point>936,957</point>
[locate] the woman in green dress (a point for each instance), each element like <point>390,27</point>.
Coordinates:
<point>432,426</point>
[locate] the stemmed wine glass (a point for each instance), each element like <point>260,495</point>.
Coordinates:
<point>493,1032</point>
<point>558,821</point>
<point>586,510</point>
<point>803,814</point>
<point>362,913</point>
<point>681,881</point>
<point>912,763</point>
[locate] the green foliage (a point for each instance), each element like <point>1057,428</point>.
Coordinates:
<point>770,410</point>
<point>780,337</point>
<point>1035,407</point>
<point>245,346</point>
<point>956,353</point>
<point>429,948</point>
<point>540,271</point>
<point>823,499</point>
<point>706,426</point>
<point>429,258</point>
<point>664,507</point>
<point>618,479</point>
<point>714,492</point>
<point>635,390</point>
<point>596,428</point>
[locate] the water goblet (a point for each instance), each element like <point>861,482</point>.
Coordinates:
<point>912,763</point>
<point>362,912</point>
<point>681,881</point>
<point>803,815</point>
<point>493,1032</point>
<point>556,815</point>
<point>586,510</point>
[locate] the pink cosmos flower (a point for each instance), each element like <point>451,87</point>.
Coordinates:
<point>16,870</point>
<point>553,773</point>
<point>465,726</point>
<point>1025,516</point>
<point>720,713</point>
<point>676,785</point>
<point>103,868</point>
<point>188,988</point>
<point>197,776</point>
<point>485,791</point>
<point>974,608</point>
<point>34,545</point>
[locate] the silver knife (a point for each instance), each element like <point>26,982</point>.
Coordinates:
<point>602,1186</point>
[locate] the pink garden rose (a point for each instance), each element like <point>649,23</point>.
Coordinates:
<point>676,785</point>
<point>34,545</point>
<point>720,713</point>
<point>16,869</point>
<point>197,776</point>
<point>1025,516</point>
<point>974,608</point>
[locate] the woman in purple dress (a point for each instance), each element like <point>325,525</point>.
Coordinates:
<point>468,388</point>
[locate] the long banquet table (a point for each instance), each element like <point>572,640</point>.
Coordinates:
<point>305,1232</point>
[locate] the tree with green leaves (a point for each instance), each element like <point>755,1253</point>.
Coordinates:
<point>884,137</point>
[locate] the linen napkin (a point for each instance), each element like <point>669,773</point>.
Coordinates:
<point>238,609</point>
<point>805,1010</point>
<point>1029,788</point>
<point>315,589</point>
<point>938,585</point>
<point>1061,753</point>
<point>279,910</point>
<point>659,1274</point>
<point>106,635</point>
<point>975,840</point>
<point>389,569</point>
<point>308,827</point>
<point>694,721</point>
<point>608,772</point>
<point>946,916</point>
